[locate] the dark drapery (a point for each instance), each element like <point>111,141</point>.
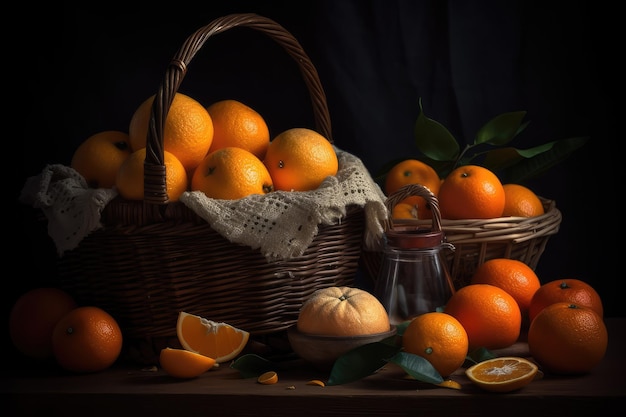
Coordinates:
<point>468,61</point>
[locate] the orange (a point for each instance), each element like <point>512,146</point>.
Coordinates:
<point>490,315</point>
<point>99,157</point>
<point>342,311</point>
<point>87,339</point>
<point>231,173</point>
<point>130,177</point>
<point>521,201</point>
<point>513,276</point>
<point>236,124</point>
<point>217,340</point>
<point>268,378</point>
<point>568,289</point>
<point>413,171</point>
<point>33,317</point>
<point>405,211</point>
<point>504,374</point>
<point>181,363</point>
<point>566,338</point>
<point>439,338</point>
<point>188,130</point>
<point>471,192</point>
<point>299,159</point>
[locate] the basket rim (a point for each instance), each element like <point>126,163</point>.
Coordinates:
<point>514,229</point>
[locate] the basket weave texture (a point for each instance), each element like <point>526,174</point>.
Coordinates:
<point>154,258</point>
<point>478,240</point>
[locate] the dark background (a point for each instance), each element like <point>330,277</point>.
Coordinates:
<point>468,60</point>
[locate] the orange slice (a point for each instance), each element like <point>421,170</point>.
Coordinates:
<point>220,341</point>
<point>502,374</point>
<point>181,363</point>
<point>268,378</point>
<point>448,383</point>
<point>316,382</point>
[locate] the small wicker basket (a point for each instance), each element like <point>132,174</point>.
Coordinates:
<point>154,258</point>
<point>478,240</point>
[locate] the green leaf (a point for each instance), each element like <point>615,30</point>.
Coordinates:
<point>251,366</point>
<point>501,129</point>
<point>434,140</point>
<point>417,367</point>
<point>401,327</point>
<point>360,362</point>
<point>479,355</point>
<point>502,158</point>
<point>536,165</point>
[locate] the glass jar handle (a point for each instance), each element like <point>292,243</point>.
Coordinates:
<point>411,190</point>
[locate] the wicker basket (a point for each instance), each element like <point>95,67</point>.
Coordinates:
<point>475,241</point>
<point>153,259</point>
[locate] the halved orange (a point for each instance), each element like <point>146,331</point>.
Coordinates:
<point>181,363</point>
<point>502,374</point>
<point>217,340</point>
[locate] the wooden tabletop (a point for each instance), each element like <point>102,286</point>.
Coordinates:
<point>133,390</point>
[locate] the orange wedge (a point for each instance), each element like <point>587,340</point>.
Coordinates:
<point>181,363</point>
<point>268,378</point>
<point>502,374</point>
<point>220,341</point>
<point>316,382</point>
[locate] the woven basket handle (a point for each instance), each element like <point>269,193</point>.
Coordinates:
<point>155,190</point>
<point>410,190</point>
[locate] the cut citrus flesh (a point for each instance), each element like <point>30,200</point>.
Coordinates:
<point>448,383</point>
<point>181,363</point>
<point>217,340</point>
<point>268,378</point>
<point>316,382</point>
<point>502,374</point>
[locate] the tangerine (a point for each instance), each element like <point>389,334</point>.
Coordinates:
<point>188,130</point>
<point>490,315</point>
<point>513,276</point>
<point>565,338</point>
<point>404,210</point>
<point>130,177</point>
<point>299,159</point>
<point>237,124</point>
<point>471,192</point>
<point>99,157</point>
<point>342,311</point>
<point>521,201</point>
<point>33,317</point>
<point>87,339</point>
<point>439,338</point>
<point>570,290</point>
<point>413,171</point>
<point>231,173</point>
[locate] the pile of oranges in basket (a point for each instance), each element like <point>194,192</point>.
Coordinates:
<point>224,150</point>
<point>468,192</point>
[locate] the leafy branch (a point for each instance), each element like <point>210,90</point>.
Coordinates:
<point>491,148</point>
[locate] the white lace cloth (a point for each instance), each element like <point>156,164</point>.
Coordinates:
<point>280,224</point>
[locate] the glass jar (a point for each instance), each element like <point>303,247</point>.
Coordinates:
<point>413,278</point>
